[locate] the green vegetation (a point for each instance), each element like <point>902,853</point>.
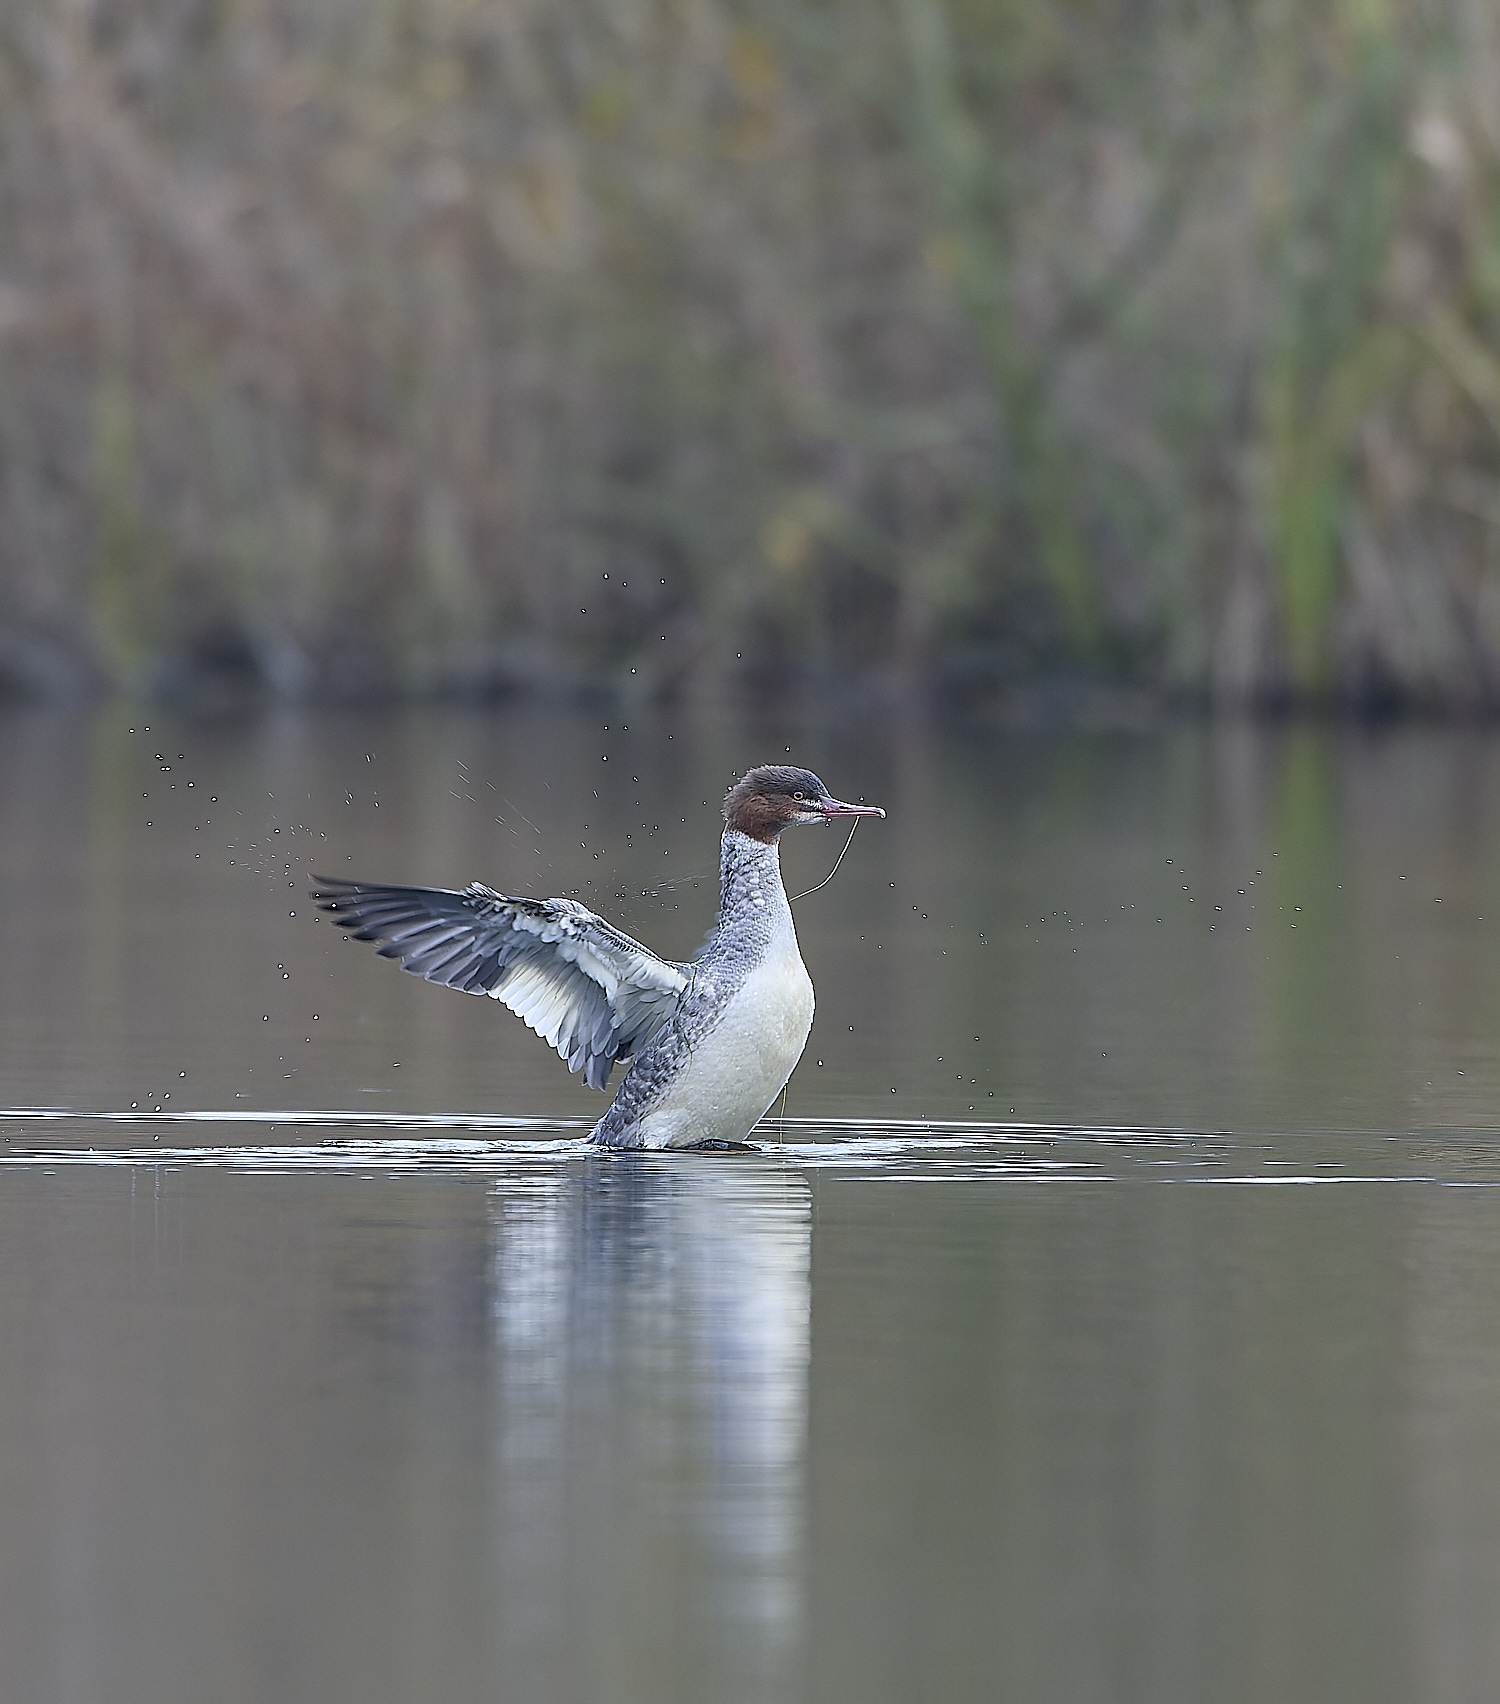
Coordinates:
<point>469,345</point>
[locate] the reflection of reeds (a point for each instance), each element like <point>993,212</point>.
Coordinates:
<point>469,345</point>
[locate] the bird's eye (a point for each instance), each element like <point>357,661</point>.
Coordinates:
<point>798,795</point>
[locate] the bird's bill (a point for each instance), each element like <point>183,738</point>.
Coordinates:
<point>837,808</point>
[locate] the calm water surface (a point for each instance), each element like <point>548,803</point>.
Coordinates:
<point>1113,1315</point>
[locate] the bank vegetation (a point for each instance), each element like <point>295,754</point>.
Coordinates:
<point>983,348</point>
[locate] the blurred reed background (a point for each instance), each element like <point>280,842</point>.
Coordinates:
<point>980,348</point>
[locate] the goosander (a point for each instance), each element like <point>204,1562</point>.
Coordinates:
<point>711,1043</point>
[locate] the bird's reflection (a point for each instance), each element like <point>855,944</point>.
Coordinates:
<point>652,1351</point>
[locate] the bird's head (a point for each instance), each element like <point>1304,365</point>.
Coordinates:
<point>776,796</point>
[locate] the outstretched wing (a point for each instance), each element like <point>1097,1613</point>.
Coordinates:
<point>593,993</point>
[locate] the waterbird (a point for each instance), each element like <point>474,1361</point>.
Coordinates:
<point>711,1042</point>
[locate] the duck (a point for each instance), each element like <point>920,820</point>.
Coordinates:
<point>710,1043</point>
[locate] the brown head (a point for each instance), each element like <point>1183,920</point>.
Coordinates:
<point>775,796</point>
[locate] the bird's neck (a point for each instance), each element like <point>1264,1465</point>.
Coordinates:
<point>751,895</point>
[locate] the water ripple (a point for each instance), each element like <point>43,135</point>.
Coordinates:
<point>877,1150</point>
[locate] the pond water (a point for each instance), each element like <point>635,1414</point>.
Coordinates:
<point>1112,1313</point>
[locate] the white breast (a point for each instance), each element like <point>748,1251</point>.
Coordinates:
<point>738,1068</point>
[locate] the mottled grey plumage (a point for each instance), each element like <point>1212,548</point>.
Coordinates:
<point>749,877</point>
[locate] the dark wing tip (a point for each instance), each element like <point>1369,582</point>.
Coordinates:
<point>374,904</point>
<point>333,893</point>
<point>331,887</point>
